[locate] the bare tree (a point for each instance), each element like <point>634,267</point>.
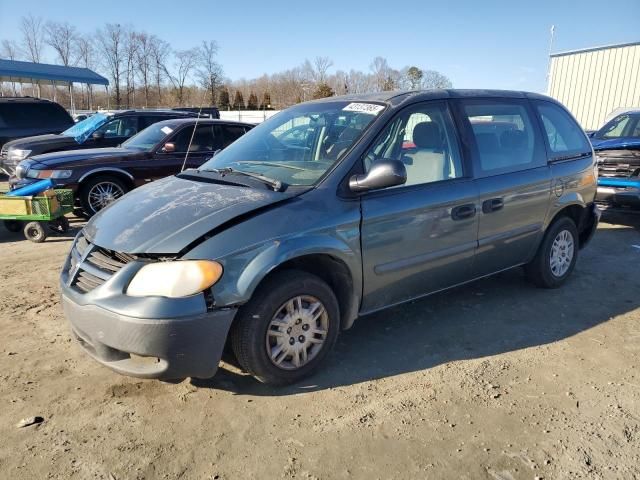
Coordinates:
<point>85,55</point>
<point>381,72</point>
<point>9,50</point>
<point>144,59</point>
<point>210,71</point>
<point>185,62</point>
<point>61,37</point>
<point>322,65</point>
<point>110,41</point>
<point>434,79</point>
<point>130,54</point>
<point>32,37</point>
<point>160,51</point>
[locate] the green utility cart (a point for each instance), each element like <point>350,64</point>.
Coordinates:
<point>37,215</point>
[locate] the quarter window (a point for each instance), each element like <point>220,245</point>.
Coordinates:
<point>504,135</point>
<point>422,138</point>
<point>564,135</point>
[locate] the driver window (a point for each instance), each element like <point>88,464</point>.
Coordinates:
<point>422,138</point>
<point>120,127</point>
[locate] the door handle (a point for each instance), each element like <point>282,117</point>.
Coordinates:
<point>463,211</point>
<point>492,205</point>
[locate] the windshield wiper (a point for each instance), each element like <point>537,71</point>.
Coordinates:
<point>275,184</point>
<point>271,164</point>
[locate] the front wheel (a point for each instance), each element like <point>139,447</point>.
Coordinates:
<point>287,328</point>
<point>99,192</point>
<point>557,255</point>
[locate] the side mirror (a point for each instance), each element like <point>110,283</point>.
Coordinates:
<point>383,174</point>
<point>97,135</point>
<point>169,147</point>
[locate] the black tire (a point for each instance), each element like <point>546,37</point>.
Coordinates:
<point>59,225</point>
<point>539,270</point>
<point>249,333</point>
<point>35,232</point>
<point>87,187</point>
<point>13,225</point>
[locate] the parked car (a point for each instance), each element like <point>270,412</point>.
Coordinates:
<point>103,129</point>
<point>617,147</point>
<point>211,112</point>
<point>101,175</point>
<point>26,116</point>
<point>280,246</point>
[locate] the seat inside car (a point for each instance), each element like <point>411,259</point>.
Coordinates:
<point>427,162</point>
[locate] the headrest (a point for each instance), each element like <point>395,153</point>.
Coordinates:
<point>513,139</point>
<point>427,135</point>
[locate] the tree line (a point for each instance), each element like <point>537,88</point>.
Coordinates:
<point>145,71</point>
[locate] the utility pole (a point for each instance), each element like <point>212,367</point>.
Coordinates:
<point>551,38</point>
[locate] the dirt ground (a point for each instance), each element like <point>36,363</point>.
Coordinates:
<point>495,380</point>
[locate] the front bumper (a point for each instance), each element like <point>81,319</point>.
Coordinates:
<point>151,348</point>
<point>15,182</point>
<point>619,196</point>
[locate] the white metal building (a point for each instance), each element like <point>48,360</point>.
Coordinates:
<point>596,82</point>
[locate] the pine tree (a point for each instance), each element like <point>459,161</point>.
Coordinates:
<point>238,101</point>
<point>323,90</point>
<point>223,99</point>
<point>266,102</point>
<point>252,103</point>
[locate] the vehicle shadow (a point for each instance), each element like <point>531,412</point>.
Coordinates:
<point>488,317</point>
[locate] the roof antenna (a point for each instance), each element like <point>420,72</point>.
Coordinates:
<point>186,155</point>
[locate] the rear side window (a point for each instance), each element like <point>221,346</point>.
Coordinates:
<point>505,135</point>
<point>34,115</point>
<point>232,133</point>
<point>564,135</point>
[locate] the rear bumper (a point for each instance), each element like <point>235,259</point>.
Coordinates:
<point>168,348</point>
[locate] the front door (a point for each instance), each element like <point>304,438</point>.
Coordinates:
<point>513,181</point>
<point>419,237</point>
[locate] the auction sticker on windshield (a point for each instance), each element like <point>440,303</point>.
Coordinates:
<point>166,130</point>
<point>370,108</point>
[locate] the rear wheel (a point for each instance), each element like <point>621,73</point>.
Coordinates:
<point>35,232</point>
<point>287,328</point>
<point>557,255</point>
<point>99,192</point>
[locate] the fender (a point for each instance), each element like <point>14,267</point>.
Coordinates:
<point>106,169</point>
<point>245,270</point>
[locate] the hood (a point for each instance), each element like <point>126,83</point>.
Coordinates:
<point>166,216</point>
<point>71,158</point>
<point>615,143</point>
<point>41,142</point>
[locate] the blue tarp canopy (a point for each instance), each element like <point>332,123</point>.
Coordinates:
<point>27,72</point>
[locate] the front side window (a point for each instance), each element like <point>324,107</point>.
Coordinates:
<point>279,149</point>
<point>504,135</point>
<point>231,134</point>
<point>564,135</point>
<point>421,137</point>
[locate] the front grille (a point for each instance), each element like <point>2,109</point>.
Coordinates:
<point>91,265</point>
<point>3,152</point>
<point>617,170</point>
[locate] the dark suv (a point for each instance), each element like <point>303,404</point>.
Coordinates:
<point>328,211</point>
<point>103,129</point>
<point>26,116</point>
<point>101,175</point>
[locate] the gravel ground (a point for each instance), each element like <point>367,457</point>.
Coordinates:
<point>495,380</point>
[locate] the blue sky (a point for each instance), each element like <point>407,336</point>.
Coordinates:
<point>478,44</point>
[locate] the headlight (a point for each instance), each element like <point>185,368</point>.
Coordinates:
<point>17,154</point>
<point>180,278</point>
<point>49,173</point>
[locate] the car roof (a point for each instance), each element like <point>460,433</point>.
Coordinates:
<point>202,121</point>
<point>397,97</point>
<point>25,100</point>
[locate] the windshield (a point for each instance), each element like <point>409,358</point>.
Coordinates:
<point>622,126</point>
<point>82,130</point>
<point>300,144</point>
<point>150,136</point>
